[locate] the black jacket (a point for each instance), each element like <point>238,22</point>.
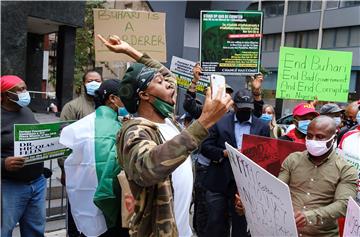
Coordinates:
<point>220,176</point>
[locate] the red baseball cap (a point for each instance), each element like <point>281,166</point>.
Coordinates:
<point>304,108</point>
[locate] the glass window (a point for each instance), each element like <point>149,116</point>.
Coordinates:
<point>328,38</point>
<point>332,4</point>
<point>277,39</point>
<point>301,39</point>
<point>312,39</point>
<point>354,36</point>
<point>346,3</point>
<point>304,6</point>
<point>293,7</point>
<point>315,5</point>
<point>290,39</point>
<point>342,37</point>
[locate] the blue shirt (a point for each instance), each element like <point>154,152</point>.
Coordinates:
<point>240,129</point>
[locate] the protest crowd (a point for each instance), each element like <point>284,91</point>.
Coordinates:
<point>137,170</point>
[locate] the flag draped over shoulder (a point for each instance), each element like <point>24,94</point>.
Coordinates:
<point>91,171</point>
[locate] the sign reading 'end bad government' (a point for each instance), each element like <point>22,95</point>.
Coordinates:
<point>230,41</point>
<point>306,73</point>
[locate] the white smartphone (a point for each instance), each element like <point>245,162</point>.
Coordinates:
<point>217,81</point>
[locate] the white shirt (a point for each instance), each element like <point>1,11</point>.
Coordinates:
<point>182,182</point>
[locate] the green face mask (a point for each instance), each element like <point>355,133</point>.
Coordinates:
<point>165,109</point>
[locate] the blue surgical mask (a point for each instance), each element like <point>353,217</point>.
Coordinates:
<point>266,117</point>
<point>358,117</point>
<point>91,87</point>
<point>23,98</point>
<point>337,121</point>
<point>303,126</point>
<point>122,112</point>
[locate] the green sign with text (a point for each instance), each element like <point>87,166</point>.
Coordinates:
<point>306,73</point>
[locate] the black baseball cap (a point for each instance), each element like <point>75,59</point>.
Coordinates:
<point>244,99</point>
<point>137,78</point>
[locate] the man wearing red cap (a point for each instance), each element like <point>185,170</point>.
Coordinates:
<point>23,186</point>
<point>303,113</point>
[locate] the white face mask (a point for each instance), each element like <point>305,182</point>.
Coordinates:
<point>318,148</point>
<point>337,121</point>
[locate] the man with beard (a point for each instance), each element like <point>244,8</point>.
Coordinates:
<point>151,146</point>
<point>219,180</point>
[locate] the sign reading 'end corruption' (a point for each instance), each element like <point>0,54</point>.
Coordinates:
<point>306,73</point>
<point>145,31</point>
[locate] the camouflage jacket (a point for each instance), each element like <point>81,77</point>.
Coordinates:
<point>148,163</point>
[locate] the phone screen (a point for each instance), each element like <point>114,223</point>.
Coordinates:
<point>217,81</point>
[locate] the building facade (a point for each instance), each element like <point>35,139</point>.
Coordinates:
<point>25,30</point>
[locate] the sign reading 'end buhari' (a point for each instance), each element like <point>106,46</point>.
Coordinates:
<point>306,73</point>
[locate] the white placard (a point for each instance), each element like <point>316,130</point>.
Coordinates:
<point>352,221</point>
<point>267,200</point>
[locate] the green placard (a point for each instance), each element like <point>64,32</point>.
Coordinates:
<point>39,142</point>
<point>306,73</point>
<point>230,41</point>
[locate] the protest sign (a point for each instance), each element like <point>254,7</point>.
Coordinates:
<point>182,69</point>
<point>267,152</point>
<point>354,160</point>
<point>145,31</point>
<point>230,41</point>
<point>39,142</point>
<point>352,221</point>
<point>267,201</point>
<point>306,73</point>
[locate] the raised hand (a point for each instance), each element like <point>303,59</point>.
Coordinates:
<point>116,45</point>
<point>215,108</point>
<point>196,72</point>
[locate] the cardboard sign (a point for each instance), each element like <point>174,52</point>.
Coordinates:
<point>145,31</point>
<point>230,41</point>
<point>182,69</point>
<point>306,73</point>
<point>352,221</point>
<point>267,201</point>
<point>39,142</point>
<point>267,152</point>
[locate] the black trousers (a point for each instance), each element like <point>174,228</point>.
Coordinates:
<point>222,215</point>
<point>117,231</point>
<point>200,207</point>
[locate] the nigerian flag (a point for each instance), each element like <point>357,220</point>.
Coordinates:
<point>91,171</point>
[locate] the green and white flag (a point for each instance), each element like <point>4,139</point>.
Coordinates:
<point>91,171</point>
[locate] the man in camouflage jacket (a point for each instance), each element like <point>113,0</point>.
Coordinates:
<point>148,89</point>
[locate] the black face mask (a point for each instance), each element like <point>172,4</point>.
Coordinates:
<point>243,115</point>
<point>349,123</point>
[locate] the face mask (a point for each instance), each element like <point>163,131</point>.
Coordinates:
<point>303,126</point>
<point>337,121</point>
<point>23,98</point>
<point>122,112</point>
<point>243,115</point>
<point>91,87</point>
<point>349,123</point>
<point>318,148</point>
<point>358,117</point>
<point>266,117</point>
<point>165,109</point>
